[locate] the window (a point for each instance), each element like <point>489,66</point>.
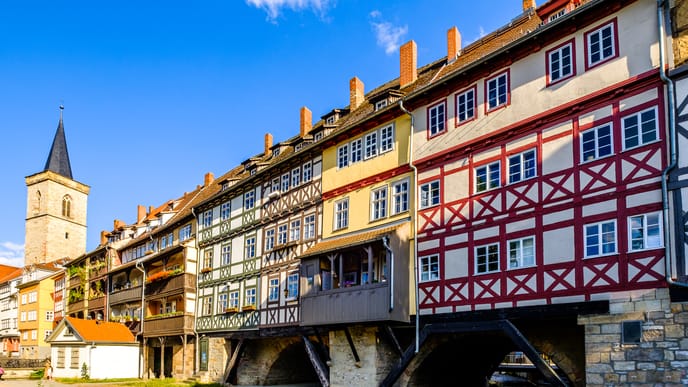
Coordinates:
<point>430,268</point>
<point>33,296</point>
<point>341,214</point>
<point>560,63</point>
<point>249,200</point>
<point>380,104</point>
<point>343,156</point>
<point>47,334</point>
<point>207,306</point>
<point>282,234</point>
<point>74,363</point>
<point>487,177</point>
<point>436,119</point>
<point>22,316</point>
<point>250,297</point>
<point>387,138</point>
<point>234,299</point>
<point>273,290</point>
<point>371,145</point>
<point>465,106</point>
<point>309,227</point>
<point>497,90</point>
<point>221,302</point>
<point>5,323</point>
<point>25,335</point>
<point>226,254</point>
<point>285,182</point>
<point>319,135</point>
<point>225,210</point>
<point>23,299</point>
<point>34,334</point>
<point>208,258</point>
<point>645,231</point>
<point>49,315</point>
<point>600,239</point>
<point>487,258</point>
<point>269,239</point>
<point>601,44</point>
<point>400,202</point>
<point>295,230</point>
<point>378,203</point>
<point>356,147</point>
<point>640,128</point>
<point>207,219</point>
<point>250,247</point>
<point>596,142</point>
<point>292,285</point>
<point>67,206</point>
<point>430,194</point>
<point>296,177</point>
<point>185,233</point>
<point>307,172</point>
<point>522,253</point>
<point>31,316</point>
<point>522,166</point>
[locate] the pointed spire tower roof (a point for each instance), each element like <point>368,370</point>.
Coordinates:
<point>58,159</point>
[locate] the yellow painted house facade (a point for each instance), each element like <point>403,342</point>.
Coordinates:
<point>36,310</point>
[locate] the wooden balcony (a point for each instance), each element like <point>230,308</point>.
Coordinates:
<point>178,284</point>
<point>96,303</point>
<point>165,326</point>
<point>74,281</point>
<point>125,295</point>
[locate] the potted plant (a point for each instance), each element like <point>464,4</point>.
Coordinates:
<point>232,309</point>
<point>248,308</point>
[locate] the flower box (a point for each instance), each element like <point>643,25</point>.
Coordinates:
<point>232,310</point>
<point>206,270</point>
<point>248,308</point>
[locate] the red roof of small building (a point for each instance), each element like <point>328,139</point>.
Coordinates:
<point>101,331</point>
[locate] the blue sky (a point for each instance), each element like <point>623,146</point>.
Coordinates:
<point>157,93</point>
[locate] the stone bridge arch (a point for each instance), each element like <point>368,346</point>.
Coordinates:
<point>274,361</point>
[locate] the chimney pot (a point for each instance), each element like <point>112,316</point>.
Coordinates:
<point>306,117</point>
<point>208,178</point>
<point>356,93</point>
<point>140,213</point>
<point>528,4</point>
<point>453,43</point>
<point>268,144</point>
<point>407,63</point>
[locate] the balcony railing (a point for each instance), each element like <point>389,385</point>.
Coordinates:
<point>96,303</point>
<point>125,295</point>
<point>171,285</point>
<point>355,304</point>
<point>163,326</point>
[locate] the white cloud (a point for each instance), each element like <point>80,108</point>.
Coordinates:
<point>11,254</point>
<point>274,7</point>
<point>388,35</point>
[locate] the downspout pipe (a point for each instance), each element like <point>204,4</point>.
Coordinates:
<point>673,160</point>
<point>139,266</point>
<point>414,215</point>
<point>385,242</point>
<point>197,345</point>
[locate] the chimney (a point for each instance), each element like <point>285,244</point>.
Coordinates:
<point>528,4</point>
<point>356,93</point>
<point>408,72</point>
<point>118,224</point>
<point>208,178</point>
<point>453,43</point>
<point>268,144</point>
<point>140,213</point>
<point>306,121</point>
<point>103,237</point>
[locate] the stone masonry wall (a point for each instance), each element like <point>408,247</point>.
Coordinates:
<point>661,357</point>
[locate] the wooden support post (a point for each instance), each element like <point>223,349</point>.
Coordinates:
<point>324,352</point>
<point>405,359</point>
<point>353,347</point>
<point>393,338</point>
<point>232,360</point>
<point>318,366</point>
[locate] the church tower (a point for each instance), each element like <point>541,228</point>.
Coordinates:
<point>56,208</point>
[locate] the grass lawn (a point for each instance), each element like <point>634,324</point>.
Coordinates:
<point>138,382</point>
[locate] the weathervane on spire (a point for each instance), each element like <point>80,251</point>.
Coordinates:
<point>61,109</point>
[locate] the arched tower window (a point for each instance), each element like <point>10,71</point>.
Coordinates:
<point>67,206</point>
<point>37,203</point>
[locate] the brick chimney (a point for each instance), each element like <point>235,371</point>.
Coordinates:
<point>118,224</point>
<point>268,144</point>
<point>528,4</point>
<point>140,213</point>
<point>408,72</point>
<point>208,178</point>
<point>306,124</point>
<point>103,237</point>
<point>453,43</point>
<point>356,93</point>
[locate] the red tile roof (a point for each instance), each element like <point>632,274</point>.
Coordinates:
<point>101,331</point>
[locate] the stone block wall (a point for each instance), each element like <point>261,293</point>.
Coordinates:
<point>661,357</point>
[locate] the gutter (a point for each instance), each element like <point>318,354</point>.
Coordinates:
<point>143,315</point>
<point>671,96</point>
<point>415,222</point>
<point>385,242</point>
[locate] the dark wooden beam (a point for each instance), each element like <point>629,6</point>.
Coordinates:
<point>405,360</point>
<point>231,362</point>
<point>393,338</point>
<point>320,369</point>
<point>352,346</point>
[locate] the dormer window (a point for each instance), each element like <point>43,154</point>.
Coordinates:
<point>318,136</point>
<point>298,147</point>
<point>556,15</point>
<point>252,172</point>
<point>380,104</point>
<point>276,152</point>
<point>225,185</point>
<point>330,120</point>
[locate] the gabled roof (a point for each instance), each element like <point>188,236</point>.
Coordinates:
<point>58,159</point>
<point>8,273</point>
<point>346,241</point>
<point>94,331</point>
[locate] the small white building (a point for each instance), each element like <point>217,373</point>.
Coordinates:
<point>108,349</point>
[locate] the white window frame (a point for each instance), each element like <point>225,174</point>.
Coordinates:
<point>640,130</point>
<point>282,234</point>
<point>250,296</point>
<point>356,151</point>
<point>597,230</point>
<point>295,230</point>
<point>269,239</point>
<point>386,138</point>
<point>225,210</point>
<point>378,203</point>
<point>490,169</point>
<point>343,156</point>
<point>233,299</point>
<point>657,238</point>
<point>465,105</point>
<point>370,145</point>
<point>207,219</point>
<point>296,177</point>
<point>249,200</point>
<point>557,70</point>
<point>595,142</point>
<point>400,197</point>
<point>521,252</point>
<point>597,35</point>
<point>429,268</point>
<point>492,86</point>
<point>341,214</point>
<point>273,289</point>
<point>430,194</point>
<point>307,172</point>
<point>437,119</point>
<point>292,286</point>
<point>226,256</point>
<point>484,252</point>
<point>309,227</point>
<point>250,247</point>
<point>284,187</point>
<point>525,164</point>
